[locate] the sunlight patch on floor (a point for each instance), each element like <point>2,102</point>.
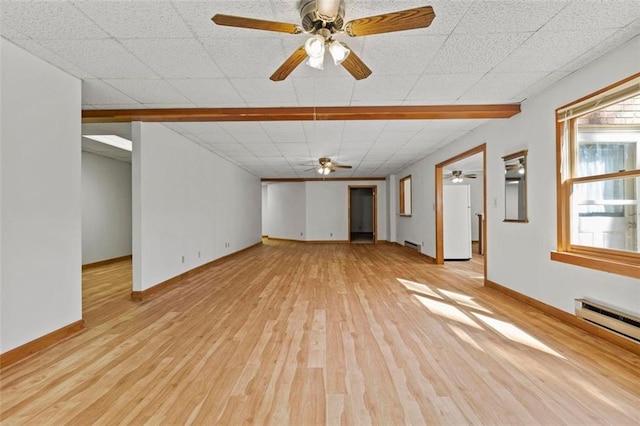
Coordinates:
<point>419,288</point>
<point>515,334</point>
<point>465,300</point>
<point>462,335</point>
<point>445,310</point>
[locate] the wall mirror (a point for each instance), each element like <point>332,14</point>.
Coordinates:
<point>515,187</point>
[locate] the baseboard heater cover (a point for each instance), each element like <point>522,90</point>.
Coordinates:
<point>623,323</point>
<point>412,246</point>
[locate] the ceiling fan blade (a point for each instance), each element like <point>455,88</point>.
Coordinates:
<point>256,24</point>
<point>289,65</point>
<point>340,166</point>
<point>420,17</point>
<point>355,66</point>
<point>471,176</point>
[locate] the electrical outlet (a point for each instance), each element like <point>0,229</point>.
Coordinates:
<point>182,259</point>
<point>301,234</point>
<point>198,253</point>
<point>331,234</point>
<point>423,244</point>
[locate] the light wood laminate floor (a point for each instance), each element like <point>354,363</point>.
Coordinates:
<point>304,334</point>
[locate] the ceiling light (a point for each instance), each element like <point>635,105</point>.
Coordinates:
<point>314,46</point>
<point>456,180</point>
<point>338,52</point>
<point>112,140</point>
<point>316,62</point>
<point>324,170</point>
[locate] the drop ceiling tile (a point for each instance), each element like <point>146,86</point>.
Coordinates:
<point>394,138</point>
<point>384,88</point>
<point>209,92</point>
<point>539,86</point>
<point>324,91</point>
<point>198,14</point>
<point>97,91</point>
<point>496,88</point>
<point>263,90</point>
<point>314,128</point>
<point>593,15</point>
<point>366,126</point>
<point>100,58</point>
<point>540,52</point>
<point>474,53</point>
<point>240,127</point>
<point>11,33</point>
<point>264,149</point>
<point>293,149</point>
<point>253,138</point>
<point>508,16</point>
<point>448,15</point>
<point>246,58</point>
<point>234,149</point>
<point>149,91</point>
<point>135,19</point>
<point>405,125</point>
<point>42,52</point>
<point>611,43</point>
<point>400,54</point>
<point>197,128</point>
<point>174,58</point>
<point>58,20</point>
<point>217,139</point>
<point>289,127</point>
<point>288,138</point>
<point>433,89</point>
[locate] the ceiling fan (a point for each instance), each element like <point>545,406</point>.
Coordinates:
<point>519,167</point>
<point>456,176</point>
<point>327,166</point>
<point>322,19</point>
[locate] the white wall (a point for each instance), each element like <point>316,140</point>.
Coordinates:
<point>265,206</point>
<point>189,205</point>
<point>286,210</point>
<point>40,198</point>
<point>106,208</point>
<point>318,209</point>
<point>518,253</point>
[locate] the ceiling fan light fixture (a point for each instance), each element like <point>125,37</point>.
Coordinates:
<point>316,62</point>
<point>324,170</point>
<point>328,9</point>
<point>456,179</point>
<point>314,46</point>
<point>338,52</point>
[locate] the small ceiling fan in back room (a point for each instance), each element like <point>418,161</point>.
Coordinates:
<point>324,19</point>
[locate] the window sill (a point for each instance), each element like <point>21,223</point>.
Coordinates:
<point>599,263</point>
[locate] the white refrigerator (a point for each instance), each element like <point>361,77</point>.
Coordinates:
<point>456,220</point>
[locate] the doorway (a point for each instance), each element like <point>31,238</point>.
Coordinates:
<point>362,214</point>
<point>466,169</point>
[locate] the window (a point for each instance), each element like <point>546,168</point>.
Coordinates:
<point>599,180</point>
<point>405,196</point>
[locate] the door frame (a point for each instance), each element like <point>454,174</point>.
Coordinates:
<point>374,189</point>
<point>439,202</point>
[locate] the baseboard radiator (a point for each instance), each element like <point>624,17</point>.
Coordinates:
<point>605,316</point>
<point>412,246</point>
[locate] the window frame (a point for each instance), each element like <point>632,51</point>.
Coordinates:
<point>603,259</point>
<point>403,197</point>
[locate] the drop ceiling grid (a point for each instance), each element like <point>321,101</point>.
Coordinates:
<point>134,54</point>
